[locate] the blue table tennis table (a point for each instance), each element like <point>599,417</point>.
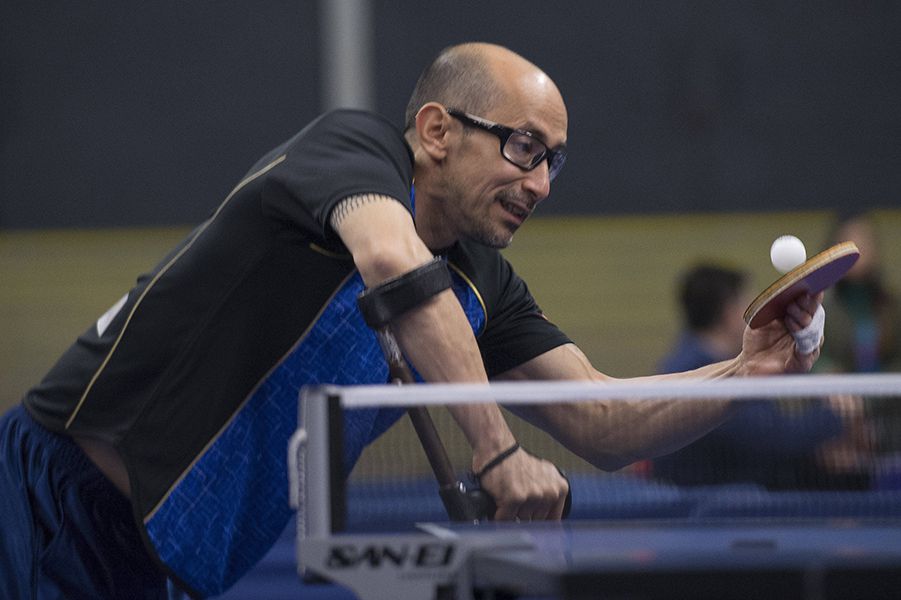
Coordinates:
<point>625,539</point>
<point>603,560</point>
<point>647,560</point>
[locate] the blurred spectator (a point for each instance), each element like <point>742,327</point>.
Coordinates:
<point>712,299</point>
<point>771,443</point>
<point>863,332</point>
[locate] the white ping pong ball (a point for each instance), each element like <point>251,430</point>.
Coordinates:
<point>787,252</point>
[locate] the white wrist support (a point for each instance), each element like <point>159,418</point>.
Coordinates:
<point>808,339</point>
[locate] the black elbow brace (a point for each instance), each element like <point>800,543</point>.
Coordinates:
<point>383,303</point>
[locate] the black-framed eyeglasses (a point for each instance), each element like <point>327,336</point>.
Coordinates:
<point>522,148</point>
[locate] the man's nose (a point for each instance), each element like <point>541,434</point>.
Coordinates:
<point>538,182</point>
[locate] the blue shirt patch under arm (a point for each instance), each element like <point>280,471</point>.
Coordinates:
<point>230,507</point>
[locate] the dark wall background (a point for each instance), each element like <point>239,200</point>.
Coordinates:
<point>126,113</point>
<point>130,113</point>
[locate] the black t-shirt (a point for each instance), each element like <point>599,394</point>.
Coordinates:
<point>198,368</point>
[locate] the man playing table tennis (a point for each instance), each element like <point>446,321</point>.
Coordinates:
<point>184,394</point>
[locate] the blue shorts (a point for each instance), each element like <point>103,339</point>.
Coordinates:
<point>65,531</point>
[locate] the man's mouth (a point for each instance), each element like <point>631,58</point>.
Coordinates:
<point>515,209</point>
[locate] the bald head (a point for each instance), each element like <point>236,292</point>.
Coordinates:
<point>474,77</point>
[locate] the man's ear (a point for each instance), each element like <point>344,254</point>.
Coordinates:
<point>432,130</point>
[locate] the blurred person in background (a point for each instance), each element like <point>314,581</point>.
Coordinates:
<point>864,314</point>
<point>778,445</point>
<point>865,324</point>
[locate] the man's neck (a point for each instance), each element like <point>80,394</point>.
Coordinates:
<point>431,223</point>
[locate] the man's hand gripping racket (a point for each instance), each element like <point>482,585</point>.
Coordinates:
<point>810,277</point>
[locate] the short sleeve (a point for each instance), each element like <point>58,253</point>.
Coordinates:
<point>342,153</point>
<point>516,330</point>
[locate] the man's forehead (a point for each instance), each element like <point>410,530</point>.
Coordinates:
<point>549,125</point>
<point>532,102</point>
<point>552,131</point>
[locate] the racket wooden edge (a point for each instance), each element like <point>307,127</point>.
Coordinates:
<point>794,276</point>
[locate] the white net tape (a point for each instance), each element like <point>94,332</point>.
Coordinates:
<point>538,392</point>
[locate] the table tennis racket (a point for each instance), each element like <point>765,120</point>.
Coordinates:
<point>812,276</point>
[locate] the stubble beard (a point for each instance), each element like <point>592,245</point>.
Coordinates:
<point>482,232</point>
<point>479,226</point>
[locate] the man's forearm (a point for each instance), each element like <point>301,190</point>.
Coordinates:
<point>435,335</point>
<point>613,434</point>
<point>438,340</point>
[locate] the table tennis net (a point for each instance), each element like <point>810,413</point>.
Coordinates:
<point>788,447</point>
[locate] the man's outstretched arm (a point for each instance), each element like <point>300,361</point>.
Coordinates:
<point>612,434</point>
